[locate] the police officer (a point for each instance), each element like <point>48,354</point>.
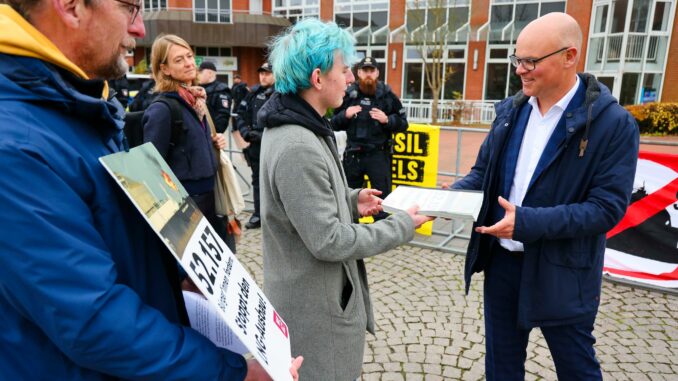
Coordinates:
<point>251,131</point>
<point>239,92</point>
<point>144,97</point>
<point>218,95</point>
<point>370,114</point>
<point>120,89</point>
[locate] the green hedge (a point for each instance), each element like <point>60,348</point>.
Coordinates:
<point>656,118</point>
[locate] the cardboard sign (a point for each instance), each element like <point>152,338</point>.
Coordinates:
<point>227,287</point>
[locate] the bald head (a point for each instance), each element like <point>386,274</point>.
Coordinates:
<point>556,29</point>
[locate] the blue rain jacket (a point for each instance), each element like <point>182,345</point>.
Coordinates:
<point>83,291</point>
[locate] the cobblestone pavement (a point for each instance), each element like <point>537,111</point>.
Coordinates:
<point>427,329</point>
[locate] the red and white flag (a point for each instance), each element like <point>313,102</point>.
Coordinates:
<point>643,247</point>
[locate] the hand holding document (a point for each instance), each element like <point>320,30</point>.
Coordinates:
<point>461,204</point>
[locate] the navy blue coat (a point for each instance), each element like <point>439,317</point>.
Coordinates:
<point>192,157</point>
<point>83,291</point>
<point>571,203</point>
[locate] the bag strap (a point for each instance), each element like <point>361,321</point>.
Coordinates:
<point>176,117</point>
<point>213,130</point>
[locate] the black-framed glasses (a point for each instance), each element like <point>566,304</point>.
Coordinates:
<point>133,8</point>
<point>530,64</point>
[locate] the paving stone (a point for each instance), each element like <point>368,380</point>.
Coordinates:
<point>428,329</point>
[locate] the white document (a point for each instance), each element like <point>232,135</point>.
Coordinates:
<point>240,313</point>
<point>206,319</point>
<point>462,204</point>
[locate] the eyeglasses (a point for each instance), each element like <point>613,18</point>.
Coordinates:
<point>133,8</point>
<point>530,64</point>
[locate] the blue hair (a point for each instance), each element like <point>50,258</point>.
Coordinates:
<point>304,47</point>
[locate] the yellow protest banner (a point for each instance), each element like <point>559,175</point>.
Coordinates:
<point>415,161</point>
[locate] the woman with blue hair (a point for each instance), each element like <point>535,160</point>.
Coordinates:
<point>313,248</point>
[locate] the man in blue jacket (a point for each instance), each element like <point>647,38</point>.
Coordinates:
<point>86,291</point>
<point>557,172</point>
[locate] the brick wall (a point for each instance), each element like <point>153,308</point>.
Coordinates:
<point>670,88</point>
<point>249,60</point>
<point>581,11</point>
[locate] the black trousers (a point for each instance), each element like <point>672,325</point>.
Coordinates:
<point>571,345</point>
<point>376,165</point>
<point>253,153</point>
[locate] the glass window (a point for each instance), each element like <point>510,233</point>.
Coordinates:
<point>379,20</point>
<point>213,52</point>
<point>455,81</point>
<point>415,19</point>
<point>601,19</point>
<point>639,15</point>
<point>413,80</point>
<point>435,18</point>
<point>495,82</point>
<point>378,54</point>
<point>200,51</point>
<point>650,90</point>
<point>456,17</point>
<point>455,53</point>
<point>607,81</point>
<point>525,13</point>
<point>552,7</point>
<point>212,11</point>
<point>343,19</point>
<point>661,17</point>
<point>360,20</point>
<point>618,16</point>
<point>629,88</point>
<point>501,15</point>
<point>499,53</point>
<point>413,53</point>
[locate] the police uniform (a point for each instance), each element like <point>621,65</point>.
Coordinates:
<point>120,89</point>
<point>218,100</point>
<point>239,92</point>
<point>368,150</point>
<point>251,132</point>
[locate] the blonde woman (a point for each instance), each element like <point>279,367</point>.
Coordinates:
<point>189,152</point>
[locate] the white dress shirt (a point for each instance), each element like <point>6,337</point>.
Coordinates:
<point>537,134</point>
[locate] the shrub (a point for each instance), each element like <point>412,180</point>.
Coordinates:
<point>656,118</point>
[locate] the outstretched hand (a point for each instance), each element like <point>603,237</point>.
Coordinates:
<point>503,228</point>
<point>369,202</point>
<point>418,219</point>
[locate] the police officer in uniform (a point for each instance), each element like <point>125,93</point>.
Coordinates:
<point>121,90</point>
<point>218,95</point>
<point>370,114</point>
<point>251,131</point>
<point>239,91</point>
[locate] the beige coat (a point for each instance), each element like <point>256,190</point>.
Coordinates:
<point>313,250</point>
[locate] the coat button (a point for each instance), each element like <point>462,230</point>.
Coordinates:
<point>505,124</point>
<point>570,129</point>
<point>569,115</point>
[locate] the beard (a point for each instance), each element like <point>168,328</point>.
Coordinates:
<point>368,86</point>
<point>114,67</point>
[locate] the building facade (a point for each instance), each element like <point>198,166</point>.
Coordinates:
<point>627,44</point>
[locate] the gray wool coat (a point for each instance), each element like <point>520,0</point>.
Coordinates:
<point>313,250</point>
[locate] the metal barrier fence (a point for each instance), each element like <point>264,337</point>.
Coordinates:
<point>449,236</point>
